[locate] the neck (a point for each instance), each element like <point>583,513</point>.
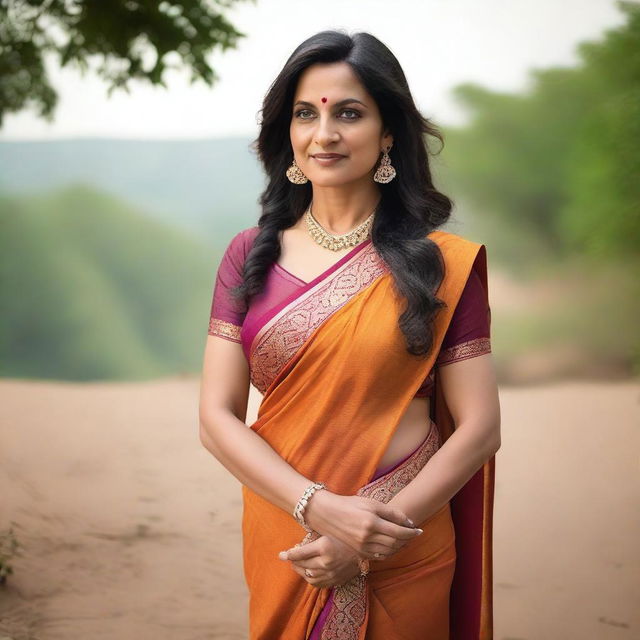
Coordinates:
<point>339,210</point>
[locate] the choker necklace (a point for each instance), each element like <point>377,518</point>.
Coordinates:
<point>337,242</point>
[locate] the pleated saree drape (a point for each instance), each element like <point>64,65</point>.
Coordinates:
<point>330,408</point>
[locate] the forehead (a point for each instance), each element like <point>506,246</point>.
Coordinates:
<point>331,80</point>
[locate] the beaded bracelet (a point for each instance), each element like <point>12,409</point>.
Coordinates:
<point>298,512</point>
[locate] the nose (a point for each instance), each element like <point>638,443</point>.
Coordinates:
<point>326,131</point>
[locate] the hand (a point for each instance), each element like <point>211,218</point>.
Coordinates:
<point>330,561</point>
<point>368,526</point>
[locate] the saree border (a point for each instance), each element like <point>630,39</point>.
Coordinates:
<point>282,336</point>
<point>303,286</point>
<point>349,602</point>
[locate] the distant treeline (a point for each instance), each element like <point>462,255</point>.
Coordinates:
<point>94,290</point>
<point>559,165</point>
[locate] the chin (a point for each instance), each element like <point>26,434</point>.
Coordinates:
<point>332,181</point>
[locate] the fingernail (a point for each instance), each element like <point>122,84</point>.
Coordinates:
<point>410,522</point>
<point>419,531</point>
<point>282,555</point>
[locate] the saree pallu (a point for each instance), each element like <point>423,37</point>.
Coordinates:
<point>337,379</point>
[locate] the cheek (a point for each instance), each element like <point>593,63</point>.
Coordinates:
<point>365,141</point>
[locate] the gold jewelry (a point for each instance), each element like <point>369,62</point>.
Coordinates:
<point>337,242</point>
<point>308,573</point>
<point>298,512</point>
<point>385,172</point>
<point>363,563</point>
<point>377,554</point>
<point>295,175</point>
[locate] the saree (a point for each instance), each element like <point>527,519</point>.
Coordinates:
<point>337,378</point>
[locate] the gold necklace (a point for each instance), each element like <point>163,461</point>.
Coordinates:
<point>341,241</point>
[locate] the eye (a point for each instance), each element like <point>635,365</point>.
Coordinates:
<point>354,114</point>
<point>354,117</point>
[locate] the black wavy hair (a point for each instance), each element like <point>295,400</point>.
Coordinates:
<point>410,206</point>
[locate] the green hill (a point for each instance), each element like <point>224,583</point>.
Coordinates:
<point>197,185</point>
<point>92,289</point>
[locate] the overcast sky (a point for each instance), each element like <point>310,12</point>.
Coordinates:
<point>439,43</point>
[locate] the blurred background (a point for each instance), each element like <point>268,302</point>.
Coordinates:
<point>125,170</point>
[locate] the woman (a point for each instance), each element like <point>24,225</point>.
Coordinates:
<point>367,331</point>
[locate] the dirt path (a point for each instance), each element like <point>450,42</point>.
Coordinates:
<point>131,529</point>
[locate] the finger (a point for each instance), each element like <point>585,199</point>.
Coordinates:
<point>393,514</point>
<point>316,579</point>
<point>396,531</point>
<point>384,546</point>
<point>304,552</point>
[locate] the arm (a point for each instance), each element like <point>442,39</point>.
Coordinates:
<point>224,393</point>
<point>471,393</point>
<point>223,403</point>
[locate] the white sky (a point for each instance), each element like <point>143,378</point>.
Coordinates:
<point>439,43</point>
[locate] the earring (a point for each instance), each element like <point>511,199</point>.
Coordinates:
<point>295,175</point>
<point>385,171</point>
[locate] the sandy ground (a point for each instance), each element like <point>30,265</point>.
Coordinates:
<point>130,529</point>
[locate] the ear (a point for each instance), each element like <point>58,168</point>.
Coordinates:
<point>387,139</point>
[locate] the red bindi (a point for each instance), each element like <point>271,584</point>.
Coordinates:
<point>324,99</point>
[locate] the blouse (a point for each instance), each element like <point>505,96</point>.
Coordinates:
<point>467,336</point>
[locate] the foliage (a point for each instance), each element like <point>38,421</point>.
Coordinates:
<point>561,162</point>
<point>92,290</point>
<point>136,39</point>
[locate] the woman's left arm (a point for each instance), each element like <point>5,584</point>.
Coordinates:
<point>470,390</point>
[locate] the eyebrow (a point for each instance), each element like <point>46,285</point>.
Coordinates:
<point>338,104</point>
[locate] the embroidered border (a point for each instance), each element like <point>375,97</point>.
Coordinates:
<point>288,331</point>
<point>464,350</point>
<point>224,329</point>
<point>349,601</point>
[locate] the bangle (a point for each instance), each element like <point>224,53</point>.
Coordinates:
<point>298,512</point>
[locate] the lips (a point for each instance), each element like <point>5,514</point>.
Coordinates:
<point>327,155</point>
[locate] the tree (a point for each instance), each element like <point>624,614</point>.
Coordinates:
<point>560,162</point>
<point>136,39</point>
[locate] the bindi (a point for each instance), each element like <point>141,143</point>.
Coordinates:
<point>324,99</point>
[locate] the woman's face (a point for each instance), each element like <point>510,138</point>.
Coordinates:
<point>333,113</point>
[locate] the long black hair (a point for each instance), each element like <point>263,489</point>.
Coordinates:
<point>410,206</point>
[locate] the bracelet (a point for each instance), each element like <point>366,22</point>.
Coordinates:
<point>298,512</point>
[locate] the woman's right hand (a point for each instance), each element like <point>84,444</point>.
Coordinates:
<point>368,526</point>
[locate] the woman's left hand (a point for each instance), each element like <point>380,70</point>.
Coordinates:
<point>330,562</point>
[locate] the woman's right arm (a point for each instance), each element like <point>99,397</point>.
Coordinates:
<point>224,394</point>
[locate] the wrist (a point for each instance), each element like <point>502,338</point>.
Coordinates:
<point>316,509</point>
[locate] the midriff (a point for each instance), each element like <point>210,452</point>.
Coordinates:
<point>412,429</point>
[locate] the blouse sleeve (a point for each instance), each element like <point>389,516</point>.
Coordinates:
<point>468,334</point>
<point>227,315</point>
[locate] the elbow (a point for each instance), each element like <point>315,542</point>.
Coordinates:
<point>204,436</point>
<point>206,440</point>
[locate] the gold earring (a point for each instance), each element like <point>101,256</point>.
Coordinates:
<point>385,171</point>
<point>295,175</point>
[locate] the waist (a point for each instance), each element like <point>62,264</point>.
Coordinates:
<point>428,444</point>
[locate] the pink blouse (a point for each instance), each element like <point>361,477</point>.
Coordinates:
<point>468,334</point>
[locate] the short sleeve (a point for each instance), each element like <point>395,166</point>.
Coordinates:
<point>468,334</point>
<point>227,315</point>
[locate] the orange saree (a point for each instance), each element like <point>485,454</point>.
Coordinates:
<point>332,400</point>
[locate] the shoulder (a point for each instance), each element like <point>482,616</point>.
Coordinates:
<point>455,248</point>
<point>447,241</point>
<point>240,245</point>
<point>245,237</point>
